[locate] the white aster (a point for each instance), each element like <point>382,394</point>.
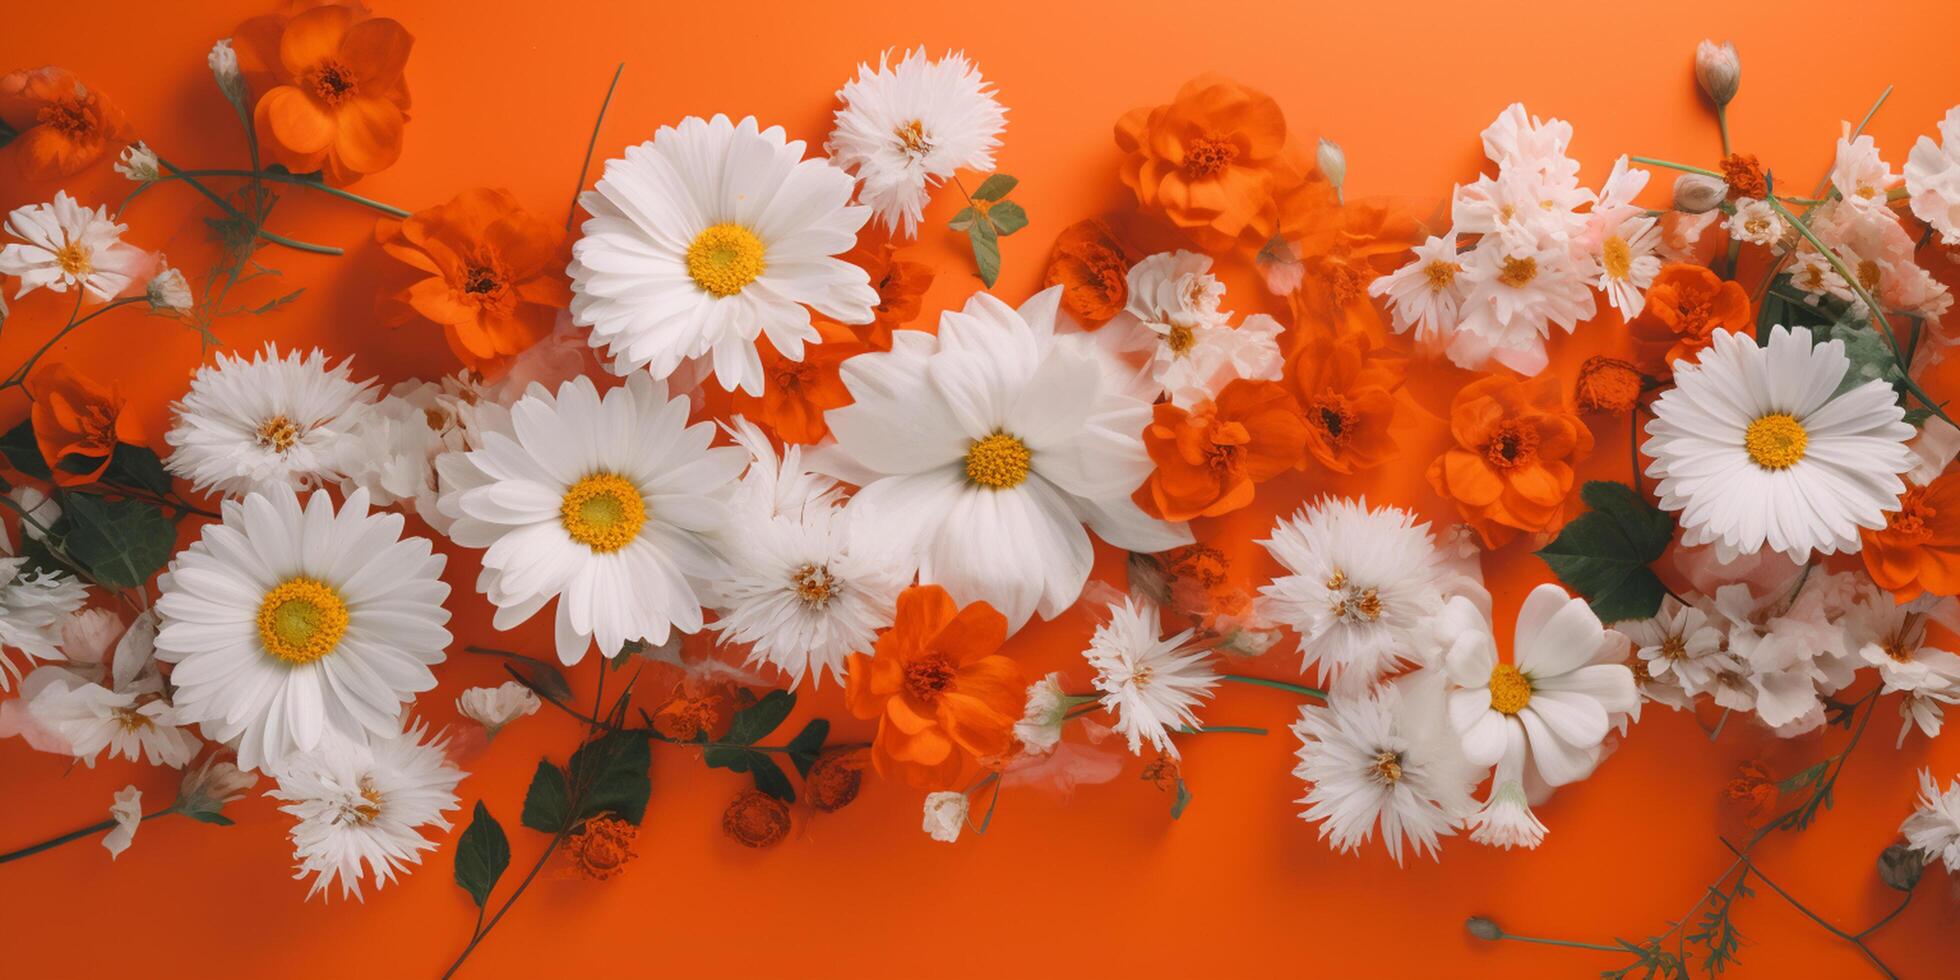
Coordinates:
<point>495,707</point>
<point>127,812</point>
<point>1933,179</point>
<point>1679,643</point>
<point>1626,262</point>
<point>1149,683</point>
<point>64,245</point>
<point>366,805</point>
<point>168,292</point>
<point>1893,637</point>
<point>906,128</point>
<point>390,449</point>
<point>266,422</point>
<point>1756,222</point>
<point>1934,828</point>
<point>34,605</point>
<point>1513,297</point>
<point>1427,293</point>
<point>1380,758</point>
<point>1860,177</point>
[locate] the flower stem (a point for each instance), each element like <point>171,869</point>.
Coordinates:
<point>1299,689</point>
<point>1722,120</point>
<point>296,180</point>
<point>75,835</point>
<point>1855,940</point>
<point>188,177</point>
<point>19,376</point>
<point>1560,942</point>
<point>1671,165</point>
<point>590,144</point>
<point>1221,729</point>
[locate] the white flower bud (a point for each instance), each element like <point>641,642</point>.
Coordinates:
<point>1718,70</point>
<point>139,163</point>
<point>169,292</point>
<point>495,707</point>
<point>208,788</point>
<point>224,67</point>
<point>1699,193</point>
<point>1333,163</point>
<point>945,815</point>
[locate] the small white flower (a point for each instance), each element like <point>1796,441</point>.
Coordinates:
<point>139,163</point>
<point>127,812</point>
<point>1040,727</point>
<point>1427,293</point>
<point>64,244</point>
<point>390,447</point>
<point>1513,297</point>
<point>945,815</point>
<point>134,721</point>
<point>906,128</point>
<point>1934,828</point>
<point>169,292</point>
<point>33,606</point>
<point>1379,758</point>
<point>224,68</point>
<point>366,804</point>
<point>1755,222</point>
<point>1817,278</point>
<point>495,707</point>
<point>266,422</point>
<point>1861,178</point>
<point>1679,642</point>
<point>1933,179</point>
<point>211,786</point>
<point>1149,683</point>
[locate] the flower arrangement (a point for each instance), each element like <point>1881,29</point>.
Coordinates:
<point>709,433</point>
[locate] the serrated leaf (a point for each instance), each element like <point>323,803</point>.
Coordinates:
<point>613,771</point>
<point>752,723</point>
<point>995,187</point>
<point>1008,218</point>
<point>121,542</point>
<point>1605,555</point>
<point>547,806</point>
<point>808,744</point>
<point>482,854</point>
<point>23,453</point>
<point>986,251</point>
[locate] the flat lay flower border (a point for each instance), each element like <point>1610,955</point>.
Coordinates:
<point>703,427</point>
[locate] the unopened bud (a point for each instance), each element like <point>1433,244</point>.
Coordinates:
<point>1718,70</point>
<point>1484,929</point>
<point>224,67</point>
<point>1699,193</point>
<point>1333,164</point>
<point>1900,866</point>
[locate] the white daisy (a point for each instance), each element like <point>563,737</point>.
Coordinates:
<point>607,506</point>
<point>1934,828</point>
<point>1427,293</point>
<point>1817,278</point>
<point>1626,260</point>
<point>133,721</point>
<point>1755,222</point>
<point>127,812</point>
<point>984,449</point>
<point>1860,177</point>
<point>366,804</point>
<point>292,627</point>
<point>34,605</point>
<point>1149,683</point>
<point>263,423</point>
<point>907,128</point>
<point>1361,582</point>
<point>1754,445</point>
<point>709,235</point>
<point>1679,642</point>
<point>1933,179</point>
<point>64,244</point>
<point>495,707</point>
<point>1374,758</point>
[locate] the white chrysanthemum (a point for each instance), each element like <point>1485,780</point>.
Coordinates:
<point>63,244</point>
<point>1679,642</point>
<point>1193,348</point>
<point>292,627</point>
<point>1151,684</point>
<point>907,128</point>
<point>127,812</point>
<point>267,422</point>
<point>1512,297</point>
<point>495,707</point>
<point>1754,446</point>
<point>1933,179</point>
<point>133,721</point>
<point>1360,583</point>
<point>366,804</point>
<point>34,604</point>
<point>1375,758</point>
<point>709,235</point>
<point>1934,828</point>
<point>1756,222</point>
<point>390,449</point>
<point>1426,293</point>
<point>607,506</point>
<point>983,450</point>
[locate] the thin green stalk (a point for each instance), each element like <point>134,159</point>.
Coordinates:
<point>20,374</point>
<point>590,144</point>
<point>75,835</point>
<point>218,199</point>
<point>297,180</point>
<point>1507,937</point>
<point>1300,689</point>
<point>1722,120</point>
<point>1855,940</point>
<point>1221,729</point>
<point>1671,165</point>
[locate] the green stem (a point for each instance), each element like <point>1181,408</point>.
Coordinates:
<point>1671,165</point>
<point>590,144</point>
<point>1889,916</point>
<point>214,197</point>
<point>20,374</point>
<point>1560,942</point>
<point>1221,729</point>
<point>75,835</point>
<point>307,182</point>
<point>1812,916</point>
<point>1722,120</point>
<point>1276,685</point>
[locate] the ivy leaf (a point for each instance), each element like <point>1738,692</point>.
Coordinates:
<point>547,805</point>
<point>136,467</point>
<point>23,452</point>
<point>122,542</point>
<point>986,250</point>
<point>482,854</point>
<point>613,770</point>
<point>1605,554</point>
<point>1008,218</point>
<point>759,719</point>
<point>808,744</point>
<point>995,187</point>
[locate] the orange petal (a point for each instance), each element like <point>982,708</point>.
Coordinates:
<point>370,136</point>
<point>313,37</point>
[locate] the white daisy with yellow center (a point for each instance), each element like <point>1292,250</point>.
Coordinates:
<point>265,421</point>
<point>63,245</point>
<point>296,625</point>
<point>904,128</point>
<point>607,505</point>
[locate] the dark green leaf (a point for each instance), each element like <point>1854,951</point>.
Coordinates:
<point>962,219</point>
<point>541,676</point>
<point>770,779</point>
<point>986,250</point>
<point>546,806</point>
<point>208,816</point>
<point>137,468</point>
<point>1605,554</point>
<point>121,542</point>
<point>1183,800</point>
<point>1008,218</point>
<point>23,452</point>
<point>995,187</point>
<point>808,744</point>
<point>752,723</point>
<point>482,854</point>
<point>613,770</point>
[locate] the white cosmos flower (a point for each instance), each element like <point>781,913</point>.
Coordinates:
<point>904,129</point>
<point>1150,683</point>
<point>1892,637</point>
<point>127,812</point>
<point>63,244</point>
<point>607,506</point>
<point>1754,446</point>
<point>1934,828</point>
<point>292,627</point>
<point>1933,179</point>
<point>495,707</point>
<point>1681,643</point>
<point>267,422</point>
<point>366,805</point>
<point>133,721</point>
<point>709,235</point>
<point>1360,583</point>
<point>984,449</point>
<point>1756,222</point>
<point>1425,294</point>
<point>1626,260</point>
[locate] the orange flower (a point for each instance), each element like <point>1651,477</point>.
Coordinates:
<point>77,423</point>
<point>1345,384</point>
<point>1093,270</point>
<point>1607,384</point>
<point>686,717</point>
<point>1209,458</point>
<point>756,819</point>
<point>1341,252</point>
<point>1511,468</point>
<point>901,287</point>
<point>63,125</point>
<point>795,394</point>
<point>940,692</point>
<point>332,96</point>
<point>1918,549</point>
<point>1215,161</point>
<point>495,275</point>
<point>1685,306</point>
<point>600,849</point>
<point>1744,175</point>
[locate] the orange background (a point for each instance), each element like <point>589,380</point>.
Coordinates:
<point>1104,883</point>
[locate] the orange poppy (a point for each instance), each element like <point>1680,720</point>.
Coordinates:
<point>1093,269</point>
<point>795,394</point>
<point>1209,458</point>
<point>332,95</point>
<point>1345,383</point>
<point>1215,161</point>
<point>941,694</point>
<point>1918,549</point>
<point>1511,467</point>
<point>901,286</point>
<point>77,423</point>
<point>64,126</point>
<point>495,275</point>
<point>1685,306</point>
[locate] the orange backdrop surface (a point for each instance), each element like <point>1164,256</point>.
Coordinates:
<point>1105,883</point>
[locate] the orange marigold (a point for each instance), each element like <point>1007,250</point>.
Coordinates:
<point>756,819</point>
<point>1345,383</point>
<point>77,423</point>
<point>1210,457</point>
<point>332,98</point>
<point>1607,384</point>
<point>600,849</point>
<point>1511,467</point>
<point>795,394</point>
<point>901,286</point>
<point>1685,306</point>
<point>1744,175</point>
<point>1215,161</point>
<point>686,717</point>
<point>64,126</point>
<point>834,779</point>
<point>941,694</point>
<point>493,275</point>
<point>1093,269</point>
<point>1918,549</point>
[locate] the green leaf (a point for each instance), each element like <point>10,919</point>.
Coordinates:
<point>23,452</point>
<point>808,744</point>
<point>122,542</point>
<point>208,816</point>
<point>752,723</point>
<point>138,468</point>
<point>986,250</point>
<point>547,807</point>
<point>482,854</point>
<point>613,770</point>
<point>1605,554</point>
<point>540,676</point>
<point>1008,218</point>
<point>768,776</point>
<point>962,219</point>
<point>995,187</point>
<point>1183,800</point>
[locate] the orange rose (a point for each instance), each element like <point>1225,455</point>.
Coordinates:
<point>1346,387</point>
<point>63,125</point>
<point>941,694</point>
<point>1685,306</point>
<point>1209,458</point>
<point>1093,270</point>
<point>1511,468</point>
<point>77,423</point>
<point>795,394</point>
<point>332,98</point>
<point>1918,549</point>
<point>1215,161</point>
<point>494,275</point>
<point>901,287</point>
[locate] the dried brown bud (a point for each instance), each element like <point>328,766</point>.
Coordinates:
<point>756,819</point>
<point>834,779</point>
<point>1484,929</point>
<point>1607,384</point>
<point>1900,866</point>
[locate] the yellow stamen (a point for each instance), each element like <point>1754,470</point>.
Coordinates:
<point>1387,767</point>
<point>814,585</point>
<point>301,620</point>
<point>912,137</point>
<point>1518,272</point>
<point>726,257</point>
<point>1776,441</point>
<point>74,260</point>
<point>1181,338</point>
<point>1441,274</point>
<point>603,511</point>
<point>1617,258</point>
<point>278,433</point>
<point>999,461</point>
<point>1510,690</point>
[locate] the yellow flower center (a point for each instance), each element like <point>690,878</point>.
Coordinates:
<point>724,258</point>
<point>301,620</point>
<point>814,585</point>
<point>1518,273</point>
<point>278,433</point>
<point>74,260</point>
<point>1181,339</point>
<point>999,461</point>
<point>1510,690</point>
<point>1617,258</point>
<point>1776,442</point>
<point>912,137</point>
<point>1441,274</point>
<point>1387,768</point>
<point>603,511</point>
